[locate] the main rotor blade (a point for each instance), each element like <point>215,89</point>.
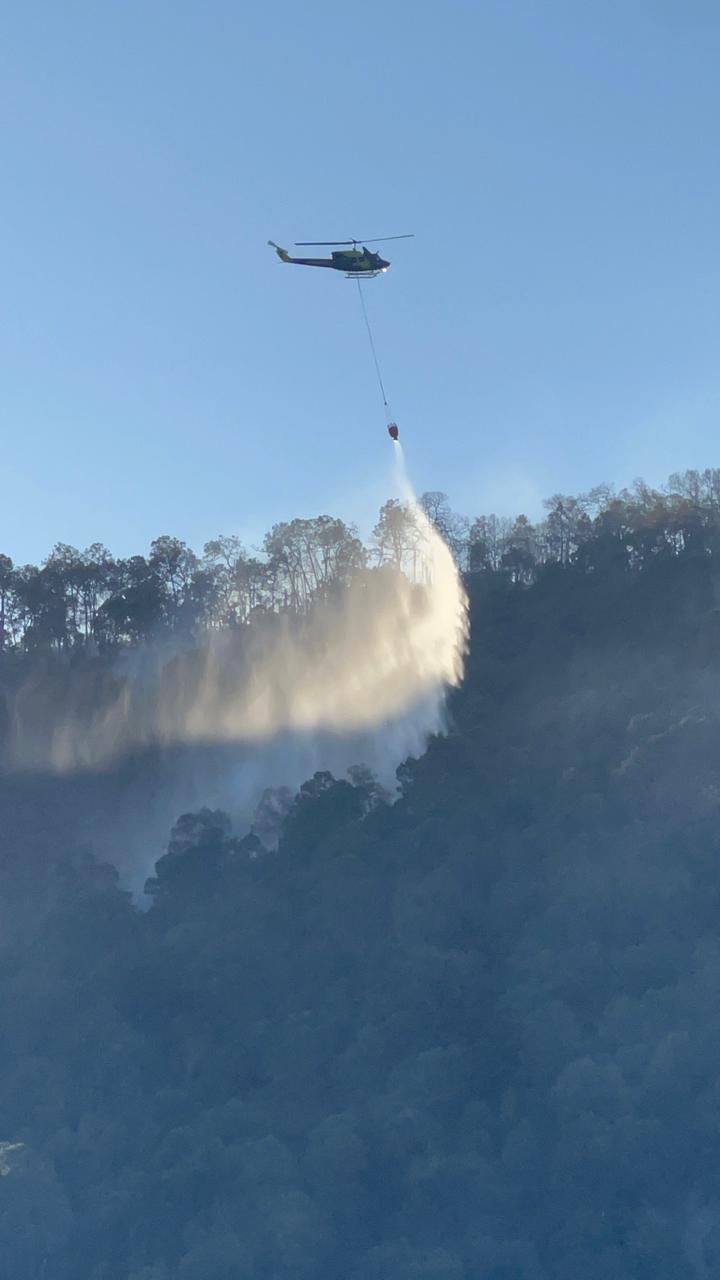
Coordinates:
<point>359,240</point>
<point>377,239</point>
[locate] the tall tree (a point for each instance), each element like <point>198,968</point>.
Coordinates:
<point>397,537</point>
<point>7,601</point>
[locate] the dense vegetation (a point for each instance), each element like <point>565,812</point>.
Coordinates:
<point>467,1031</point>
<point>92,601</point>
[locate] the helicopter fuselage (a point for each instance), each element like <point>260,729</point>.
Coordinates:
<point>354,262</point>
<point>351,261</point>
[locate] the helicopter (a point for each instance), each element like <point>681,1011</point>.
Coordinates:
<point>355,262</point>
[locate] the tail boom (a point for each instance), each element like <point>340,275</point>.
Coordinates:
<point>284,256</point>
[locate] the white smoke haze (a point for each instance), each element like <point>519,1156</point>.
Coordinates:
<point>378,657</point>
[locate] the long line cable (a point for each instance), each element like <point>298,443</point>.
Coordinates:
<point>372,344</point>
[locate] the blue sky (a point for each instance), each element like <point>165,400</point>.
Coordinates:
<point>553,324</point>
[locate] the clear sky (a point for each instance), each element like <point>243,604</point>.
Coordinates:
<point>553,324</point>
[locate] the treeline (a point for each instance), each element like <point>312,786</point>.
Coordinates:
<point>75,598</point>
<point>601,529</point>
<point>80,598</point>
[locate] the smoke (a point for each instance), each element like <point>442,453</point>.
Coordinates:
<point>379,655</point>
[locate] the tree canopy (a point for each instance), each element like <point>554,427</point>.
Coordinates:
<point>92,600</point>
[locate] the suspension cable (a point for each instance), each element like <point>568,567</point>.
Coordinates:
<point>372,344</point>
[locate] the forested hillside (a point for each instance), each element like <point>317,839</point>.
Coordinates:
<point>467,1030</point>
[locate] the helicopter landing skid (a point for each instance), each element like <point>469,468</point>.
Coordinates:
<point>364,275</point>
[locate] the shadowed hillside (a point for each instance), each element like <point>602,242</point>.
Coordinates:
<point>466,1030</point>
